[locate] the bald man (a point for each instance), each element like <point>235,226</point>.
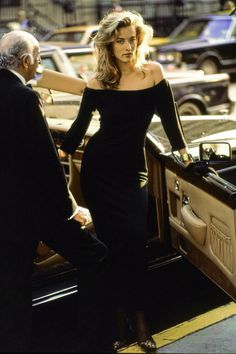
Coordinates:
<point>35,204</point>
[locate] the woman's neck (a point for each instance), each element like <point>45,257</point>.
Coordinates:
<point>126,68</point>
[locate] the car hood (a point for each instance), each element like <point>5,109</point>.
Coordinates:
<point>198,129</point>
<point>158,41</point>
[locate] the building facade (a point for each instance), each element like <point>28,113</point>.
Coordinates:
<point>163,15</point>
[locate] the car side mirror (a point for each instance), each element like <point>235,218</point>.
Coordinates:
<point>215,151</point>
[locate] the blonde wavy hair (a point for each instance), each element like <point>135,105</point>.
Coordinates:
<point>107,71</point>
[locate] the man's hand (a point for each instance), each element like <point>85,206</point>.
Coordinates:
<point>62,154</point>
<point>81,217</point>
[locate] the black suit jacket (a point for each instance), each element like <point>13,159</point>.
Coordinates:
<point>34,198</point>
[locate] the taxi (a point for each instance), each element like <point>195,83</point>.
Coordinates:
<point>70,35</point>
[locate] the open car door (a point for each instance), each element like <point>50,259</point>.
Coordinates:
<point>202,217</point>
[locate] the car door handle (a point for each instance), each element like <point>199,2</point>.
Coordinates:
<point>193,224</point>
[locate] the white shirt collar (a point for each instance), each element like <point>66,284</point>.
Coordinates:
<point>22,79</point>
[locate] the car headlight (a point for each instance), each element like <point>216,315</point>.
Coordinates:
<point>169,57</point>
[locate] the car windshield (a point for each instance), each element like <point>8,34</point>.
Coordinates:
<point>202,29</point>
<point>84,64</point>
<point>197,129</point>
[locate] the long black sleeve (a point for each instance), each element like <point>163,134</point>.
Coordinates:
<point>78,129</point>
<point>169,115</point>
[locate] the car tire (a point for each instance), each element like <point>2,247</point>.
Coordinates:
<point>209,66</point>
<point>189,109</point>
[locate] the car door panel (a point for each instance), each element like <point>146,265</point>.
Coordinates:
<point>203,230</point>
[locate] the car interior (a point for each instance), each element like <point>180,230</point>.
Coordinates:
<point>202,217</point>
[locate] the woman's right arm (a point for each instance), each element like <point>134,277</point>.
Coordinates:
<point>78,129</point>
<point>61,82</point>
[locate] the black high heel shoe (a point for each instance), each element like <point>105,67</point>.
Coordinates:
<point>145,340</point>
<point>118,344</point>
<point>122,330</point>
<point>148,345</point>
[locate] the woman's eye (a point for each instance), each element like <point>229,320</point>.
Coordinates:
<point>120,41</point>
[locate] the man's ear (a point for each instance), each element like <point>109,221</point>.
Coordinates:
<point>26,61</point>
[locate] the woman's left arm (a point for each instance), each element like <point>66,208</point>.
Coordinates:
<point>75,134</point>
<point>167,110</point>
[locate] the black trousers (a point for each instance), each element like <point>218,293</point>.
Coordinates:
<point>79,247</point>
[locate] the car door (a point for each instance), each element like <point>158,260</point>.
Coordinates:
<point>202,221</point>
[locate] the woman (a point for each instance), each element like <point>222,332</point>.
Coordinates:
<point>126,90</point>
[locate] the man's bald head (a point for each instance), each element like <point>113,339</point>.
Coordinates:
<point>16,45</point>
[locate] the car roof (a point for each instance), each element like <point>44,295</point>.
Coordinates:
<point>81,28</point>
<point>75,49</point>
<point>44,47</point>
<point>68,46</point>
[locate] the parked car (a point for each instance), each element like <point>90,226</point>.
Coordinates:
<point>76,60</point>
<point>195,93</point>
<point>53,58</point>
<point>194,96</point>
<point>191,210</point>
<point>82,59</point>
<point>74,35</point>
<point>206,42</point>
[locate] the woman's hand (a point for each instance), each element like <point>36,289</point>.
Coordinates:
<point>186,163</point>
<point>185,157</point>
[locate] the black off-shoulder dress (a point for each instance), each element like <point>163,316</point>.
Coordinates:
<point>114,176</point>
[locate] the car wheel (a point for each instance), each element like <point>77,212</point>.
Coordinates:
<point>209,66</point>
<point>189,109</point>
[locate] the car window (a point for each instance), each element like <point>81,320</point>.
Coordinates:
<point>48,63</point>
<point>203,29</point>
<point>3,30</point>
<point>216,29</point>
<point>191,30</point>
<point>84,64</point>
<point>57,37</point>
<point>75,37</point>
<point>234,30</point>
<point>66,37</point>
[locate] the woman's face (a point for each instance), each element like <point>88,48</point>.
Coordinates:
<point>125,44</point>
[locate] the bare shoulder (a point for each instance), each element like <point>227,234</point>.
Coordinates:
<point>93,83</point>
<point>156,71</point>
